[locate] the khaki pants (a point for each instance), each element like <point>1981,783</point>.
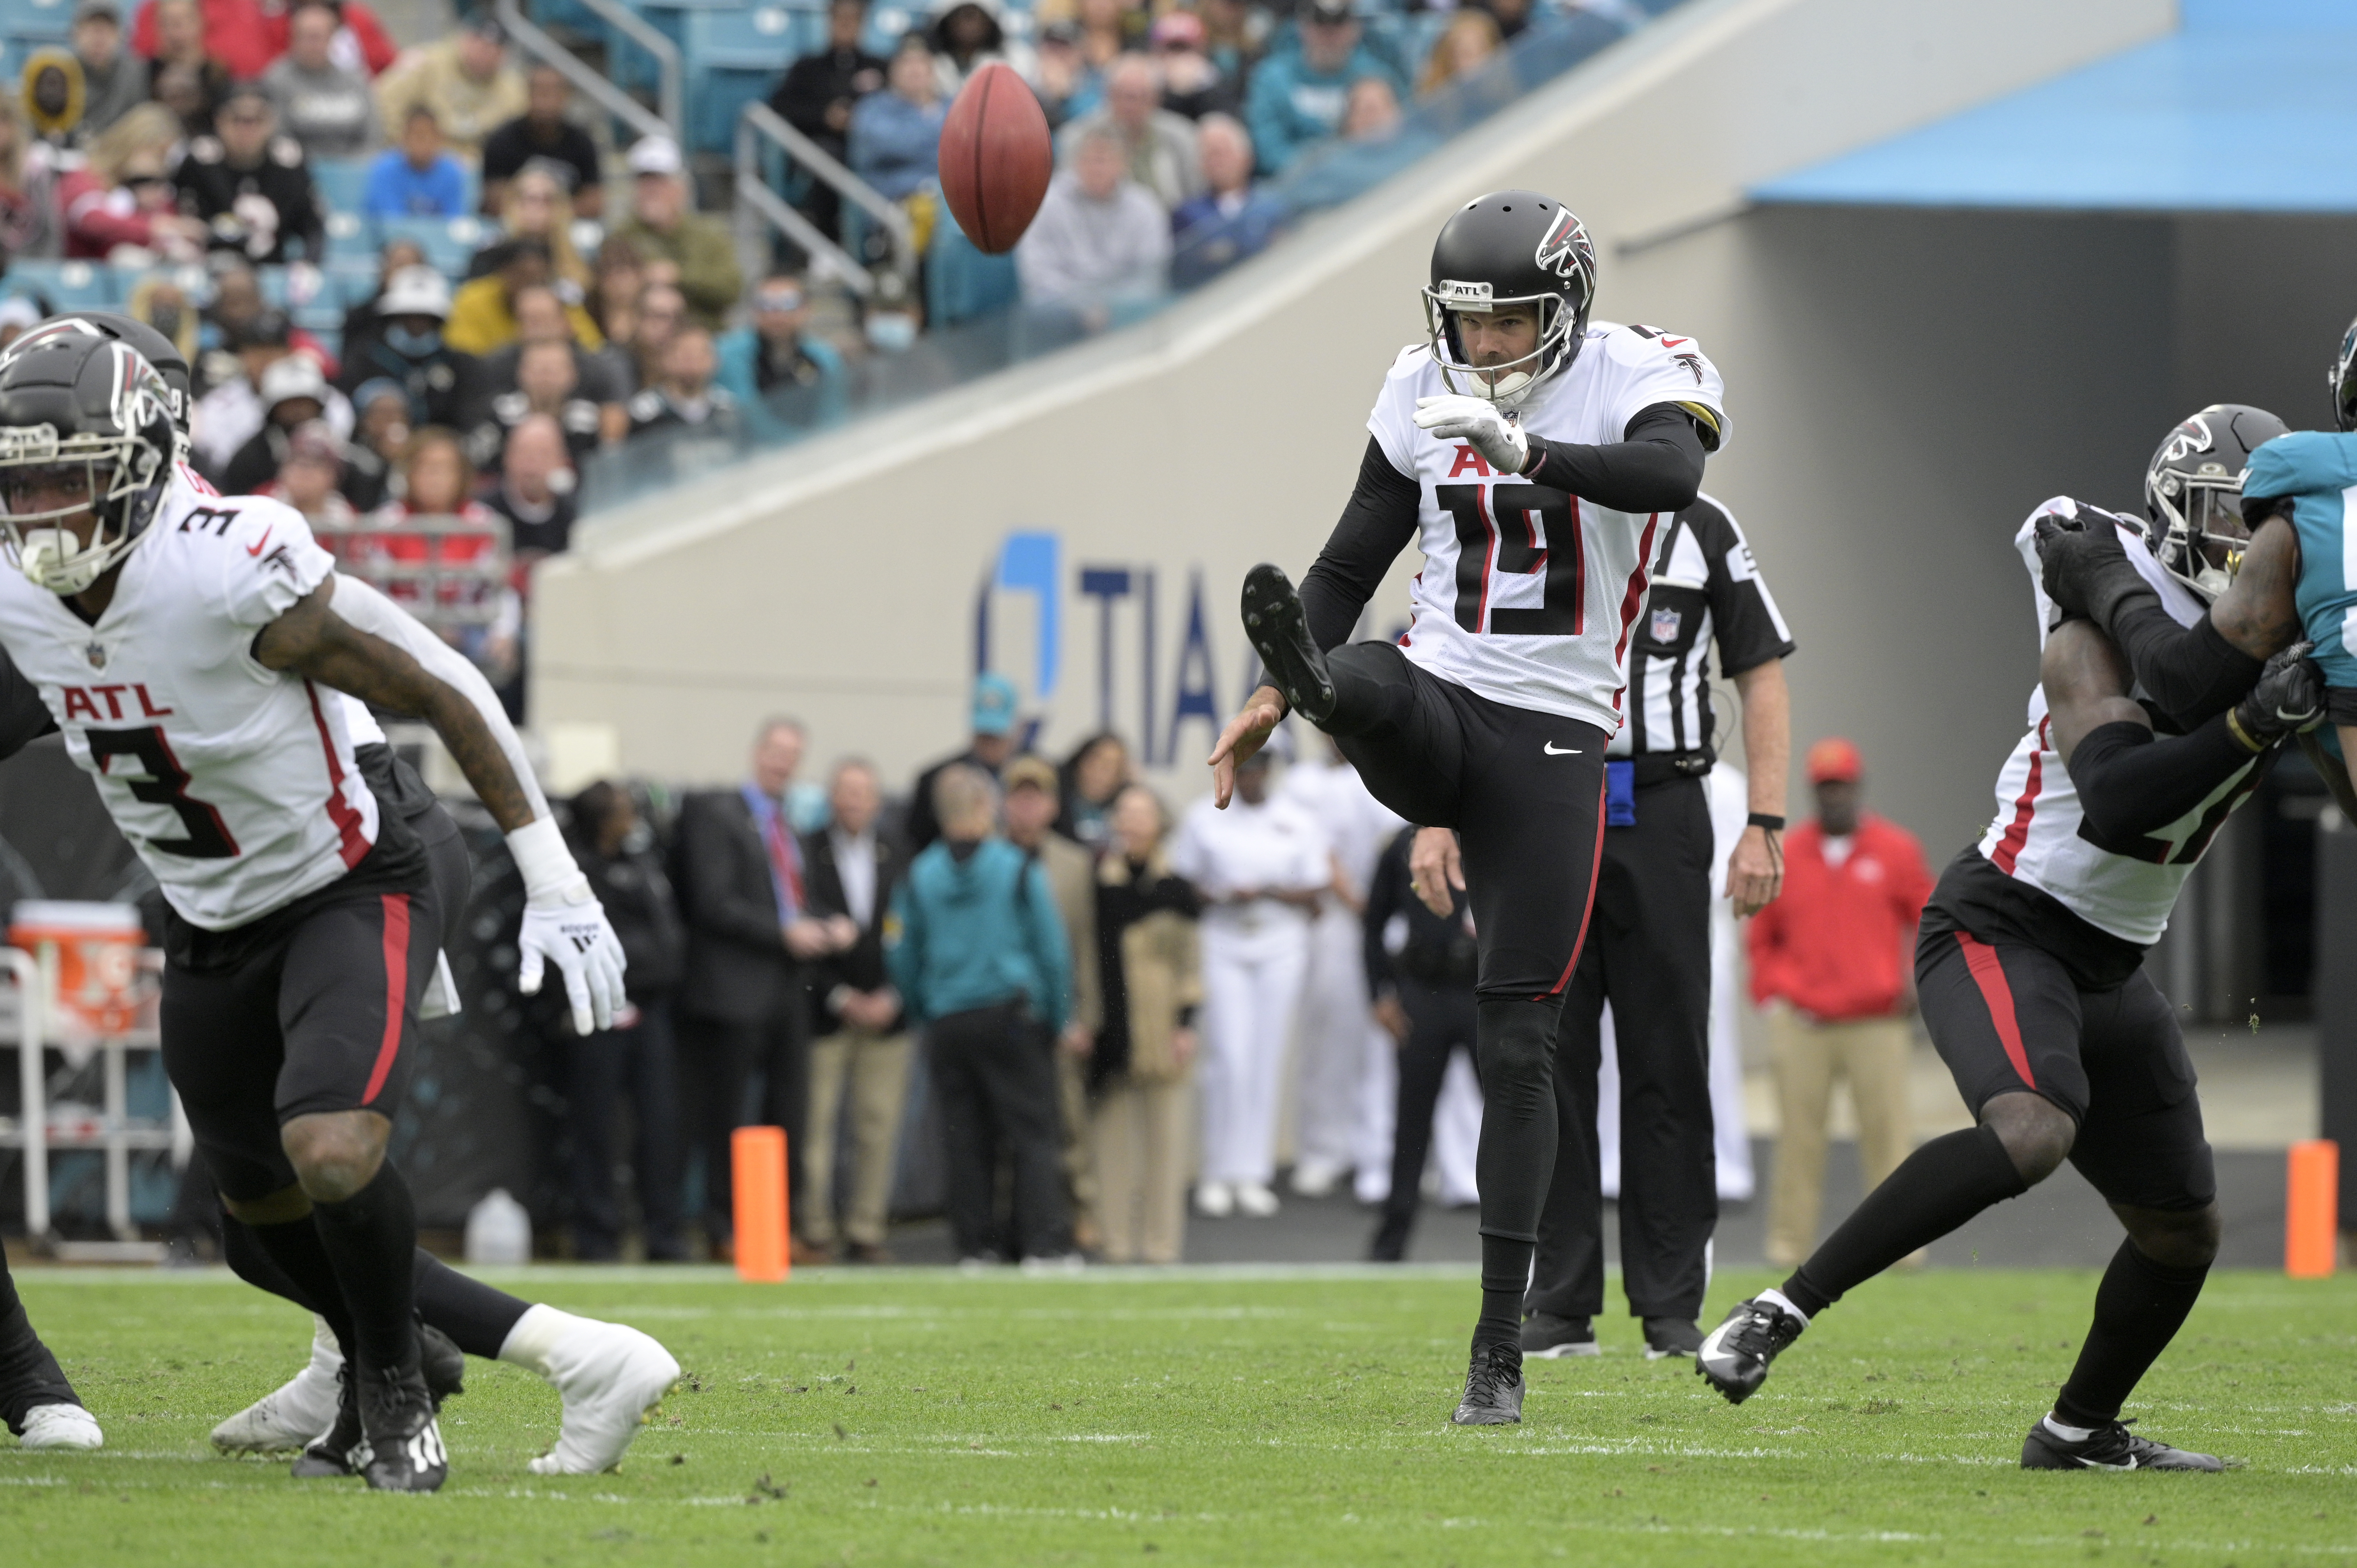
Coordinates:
<point>875,1069</point>
<point>1871,1053</point>
<point>1142,1134</point>
<point>1079,1167</point>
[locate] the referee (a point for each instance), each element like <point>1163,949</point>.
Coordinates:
<point>1648,949</point>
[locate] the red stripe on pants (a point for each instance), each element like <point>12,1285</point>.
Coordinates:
<point>1989,975</point>
<point>396,990</point>
<point>1587,911</point>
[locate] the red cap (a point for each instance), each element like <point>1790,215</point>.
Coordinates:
<point>1834,761</point>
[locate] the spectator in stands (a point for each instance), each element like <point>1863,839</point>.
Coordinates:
<point>980,959</point>
<point>1298,95</point>
<point>226,416</point>
<point>410,351</point>
<point>548,382</point>
<point>1092,777</point>
<point>1099,234</point>
<point>541,318</point>
<point>309,476</point>
<point>1231,219</point>
<point>633,1063</point>
<point>465,79</point>
<point>112,83</point>
<point>360,45</point>
<point>30,224</point>
<point>534,207</point>
<point>545,135</point>
<point>231,32</point>
<point>419,178</point>
<point>122,197</point>
<point>616,279</point>
<point>163,303</point>
<point>18,316</point>
<point>859,1063</point>
<point>662,313</point>
<point>776,351</point>
<point>251,184</point>
<point>1109,29</point>
<point>322,104</point>
<point>537,483</point>
<point>1061,77</point>
<point>379,436</point>
<point>1192,84</point>
<point>1159,147</point>
<point>294,393</point>
<point>1028,814</point>
<point>1372,109</point>
<point>183,72</point>
<point>663,224</point>
<point>896,134</point>
<point>991,742</point>
<point>482,314</point>
<point>683,394</point>
<point>1236,33</point>
<point>817,94</point>
<point>1467,44</point>
<point>892,318</point>
<point>1512,16</point>
<point>966,36</point>
<point>362,321</point>
<point>1141,1057</point>
<point>438,485</point>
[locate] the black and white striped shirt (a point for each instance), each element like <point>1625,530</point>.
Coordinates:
<point>1705,587</point>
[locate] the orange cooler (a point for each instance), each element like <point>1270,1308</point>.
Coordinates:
<point>98,958</point>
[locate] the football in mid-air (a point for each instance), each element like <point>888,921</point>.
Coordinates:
<point>996,158</point>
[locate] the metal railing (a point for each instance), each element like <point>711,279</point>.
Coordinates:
<point>757,204</point>
<point>411,562</point>
<point>670,74</point>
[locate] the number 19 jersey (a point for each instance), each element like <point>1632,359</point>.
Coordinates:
<point>1528,593</point>
<point>235,783</point>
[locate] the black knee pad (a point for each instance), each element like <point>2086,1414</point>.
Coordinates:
<point>1517,1054</point>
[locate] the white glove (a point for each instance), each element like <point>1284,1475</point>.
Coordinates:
<point>564,923</point>
<point>1456,417</point>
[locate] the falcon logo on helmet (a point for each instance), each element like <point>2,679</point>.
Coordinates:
<point>86,442</point>
<point>1510,250</point>
<point>2193,492</point>
<point>1565,251</point>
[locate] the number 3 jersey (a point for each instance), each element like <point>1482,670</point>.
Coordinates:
<point>1528,593</point>
<point>236,783</point>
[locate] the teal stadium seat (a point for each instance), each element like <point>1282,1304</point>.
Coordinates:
<point>64,285</point>
<point>735,57</point>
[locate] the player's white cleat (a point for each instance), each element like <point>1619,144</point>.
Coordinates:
<point>60,1426</point>
<point>611,1378</point>
<point>290,1415</point>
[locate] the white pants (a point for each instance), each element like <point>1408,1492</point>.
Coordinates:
<point>1338,1029</point>
<point>1378,1109</point>
<point>1457,1133</point>
<point>1252,988</point>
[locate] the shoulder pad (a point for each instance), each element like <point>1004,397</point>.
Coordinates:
<point>285,152</point>
<point>206,150</point>
<point>1411,360</point>
<point>1637,345</point>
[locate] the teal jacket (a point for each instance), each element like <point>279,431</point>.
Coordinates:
<point>978,934</point>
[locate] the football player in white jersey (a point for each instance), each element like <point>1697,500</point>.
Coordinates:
<point>1534,456</point>
<point>2029,963</point>
<point>183,645</point>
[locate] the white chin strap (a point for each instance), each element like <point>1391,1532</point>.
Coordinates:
<point>54,560</point>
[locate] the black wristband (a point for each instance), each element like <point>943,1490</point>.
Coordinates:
<point>1769,819</point>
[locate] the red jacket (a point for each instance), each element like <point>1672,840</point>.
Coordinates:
<point>247,35</point>
<point>1832,942</point>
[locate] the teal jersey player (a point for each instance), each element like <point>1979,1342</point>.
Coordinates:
<point>2316,471</point>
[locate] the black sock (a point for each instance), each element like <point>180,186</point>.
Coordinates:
<point>476,1318</point>
<point>30,1375</point>
<point>370,1238</point>
<point>289,1260</point>
<point>1514,1162</point>
<point>2139,1308</point>
<point>1934,1190</point>
<point>1505,1276</point>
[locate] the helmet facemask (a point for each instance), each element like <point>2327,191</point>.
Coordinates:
<point>1507,384</point>
<point>118,475</point>
<point>2201,534</point>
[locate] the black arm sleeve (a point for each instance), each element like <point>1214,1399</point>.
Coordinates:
<point>1658,466</point>
<point>24,717</point>
<point>2191,672</point>
<point>1377,522</point>
<point>1385,890</point>
<point>2132,783</point>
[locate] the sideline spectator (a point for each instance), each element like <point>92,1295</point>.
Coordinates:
<point>123,196</point>
<point>540,515</point>
<point>251,184</point>
<point>1836,947</point>
<point>859,1063</point>
<point>1099,234</point>
<point>1030,813</point>
<point>548,385</point>
<point>1142,1059</point>
<point>1193,83</point>
<point>980,959</point>
<point>1229,221</point>
<point>185,71</point>
<point>360,45</point>
<point>1465,47</point>
<point>325,107</point>
<point>410,349</point>
<point>30,223</point>
<point>684,394</point>
<point>663,224</point>
<point>817,94</point>
<point>750,932</point>
<point>896,134</point>
<point>1372,112</point>
<point>309,478</point>
<point>543,133</point>
<point>992,743</point>
<point>1092,778</point>
<point>1298,96</point>
<point>231,32</point>
<point>633,1061</point>
<point>465,79</point>
<point>418,179</point>
<point>776,351</point>
<point>1158,145</point>
<point>112,83</point>
<point>1262,865</point>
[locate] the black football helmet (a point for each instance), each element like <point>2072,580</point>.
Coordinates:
<point>1510,247</point>
<point>2193,490</point>
<point>81,410</point>
<point>2343,378</point>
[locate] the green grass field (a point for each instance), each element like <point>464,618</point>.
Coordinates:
<point>1235,1418</point>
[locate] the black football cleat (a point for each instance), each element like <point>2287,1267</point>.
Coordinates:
<point>2111,1446</point>
<point>338,1450</point>
<point>1667,1336</point>
<point>403,1446</point>
<point>1494,1387</point>
<point>1389,1243</point>
<point>1733,1357</point>
<point>1551,1338</point>
<point>444,1364</point>
<point>1278,630</point>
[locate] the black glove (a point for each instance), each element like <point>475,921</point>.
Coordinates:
<point>2085,570</point>
<point>2287,699</point>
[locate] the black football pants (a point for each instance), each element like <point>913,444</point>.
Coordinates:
<point>1648,953</point>
<point>602,1069</point>
<point>1525,792</point>
<point>30,1375</point>
<point>717,1059</point>
<point>1442,1021</point>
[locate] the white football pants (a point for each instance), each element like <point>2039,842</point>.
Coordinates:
<point>1338,1031</point>
<point>1251,988</point>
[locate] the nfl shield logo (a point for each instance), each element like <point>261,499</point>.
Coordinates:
<point>95,651</point>
<point>1665,626</point>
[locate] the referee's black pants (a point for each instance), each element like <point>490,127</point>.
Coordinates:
<point>1442,1021</point>
<point>1525,792</point>
<point>1648,953</point>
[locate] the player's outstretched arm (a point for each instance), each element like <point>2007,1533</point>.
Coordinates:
<point>563,921</point>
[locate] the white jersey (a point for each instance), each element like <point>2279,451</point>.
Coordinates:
<point>1275,845</point>
<point>2037,837</point>
<point>235,783</point>
<point>1527,593</point>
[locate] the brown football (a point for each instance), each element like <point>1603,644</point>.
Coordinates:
<point>996,157</point>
